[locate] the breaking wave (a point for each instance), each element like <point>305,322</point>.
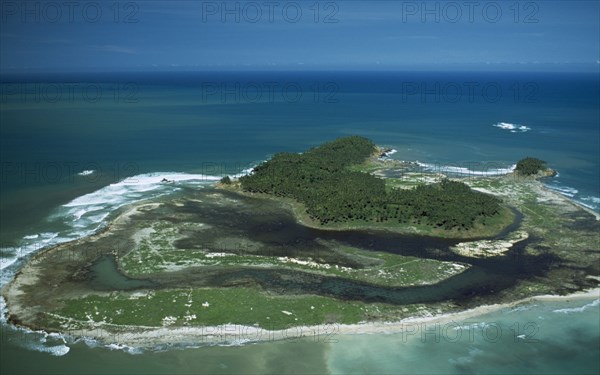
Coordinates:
<point>513,128</point>
<point>78,218</point>
<point>579,309</point>
<point>87,172</point>
<point>458,170</point>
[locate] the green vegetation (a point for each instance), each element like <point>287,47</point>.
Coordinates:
<point>551,218</point>
<point>322,180</point>
<point>544,216</point>
<point>226,180</point>
<point>155,252</point>
<point>216,306</point>
<point>396,270</point>
<point>169,238</point>
<point>530,166</point>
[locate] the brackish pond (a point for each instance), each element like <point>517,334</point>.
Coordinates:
<point>278,234</point>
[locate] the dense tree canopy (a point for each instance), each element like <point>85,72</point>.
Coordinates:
<point>530,166</point>
<point>320,179</point>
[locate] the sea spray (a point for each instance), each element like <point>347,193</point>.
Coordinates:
<point>450,169</point>
<point>82,217</point>
<point>41,341</point>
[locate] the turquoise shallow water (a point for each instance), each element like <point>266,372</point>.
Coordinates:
<point>197,127</point>
<point>535,338</point>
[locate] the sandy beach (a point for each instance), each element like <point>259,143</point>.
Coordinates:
<point>547,193</point>
<point>232,334</point>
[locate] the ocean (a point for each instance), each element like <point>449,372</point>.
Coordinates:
<point>77,148</point>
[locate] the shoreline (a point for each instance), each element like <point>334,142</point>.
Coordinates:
<point>568,200</point>
<point>577,204</point>
<point>298,211</point>
<point>143,337</point>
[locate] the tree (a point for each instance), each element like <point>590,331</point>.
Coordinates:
<point>321,180</point>
<point>530,166</point>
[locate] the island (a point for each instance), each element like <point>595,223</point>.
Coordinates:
<point>334,239</point>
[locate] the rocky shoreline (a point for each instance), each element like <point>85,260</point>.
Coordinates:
<point>21,313</point>
<point>148,338</point>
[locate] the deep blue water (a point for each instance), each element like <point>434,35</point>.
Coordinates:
<point>124,124</point>
<point>128,127</point>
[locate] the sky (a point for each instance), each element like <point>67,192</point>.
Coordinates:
<point>81,36</point>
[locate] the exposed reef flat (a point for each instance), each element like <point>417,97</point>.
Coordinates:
<point>487,248</point>
<point>214,266</point>
<point>236,334</point>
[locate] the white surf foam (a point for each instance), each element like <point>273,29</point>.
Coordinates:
<point>3,310</point>
<point>513,128</point>
<point>244,172</point>
<point>591,199</point>
<point>51,343</point>
<point>9,256</point>
<point>521,309</point>
<point>87,172</point>
<point>579,309</point>
<point>125,348</point>
<point>386,155</point>
<point>86,214</point>
<point>237,342</point>
<point>92,209</point>
<point>592,203</point>
<point>466,171</point>
<point>564,190</point>
<point>81,217</point>
<point>57,350</point>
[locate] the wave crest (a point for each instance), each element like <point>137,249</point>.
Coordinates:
<point>86,214</point>
<point>579,309</point>
<point>451,169</point>
<point>513,128</point>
